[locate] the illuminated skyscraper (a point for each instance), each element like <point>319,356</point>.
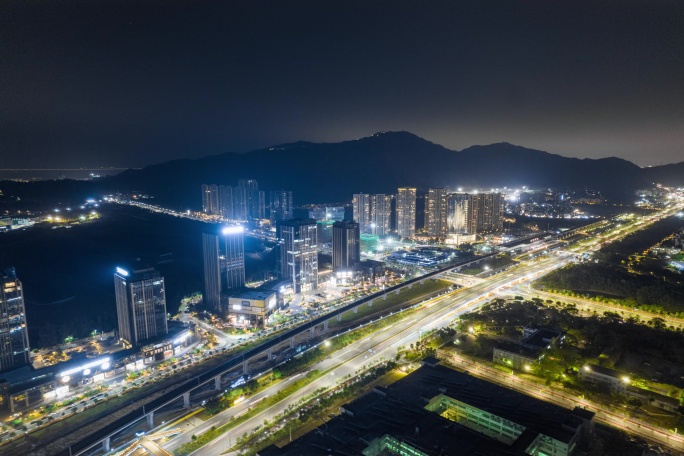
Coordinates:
<point>140,304</point>
<point>436,212</point>
<point>14,344</point>
<point>234,239</point>
<point>346,245</point>
<point>212,271</point>
<point>361,204</point>
<point>457,213</point>
<point>297,253</point>
<point>224,263</point>
<point>381,212</point>
<point>406,212</point>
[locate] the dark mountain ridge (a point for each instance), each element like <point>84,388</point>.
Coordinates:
<point>380,163</point>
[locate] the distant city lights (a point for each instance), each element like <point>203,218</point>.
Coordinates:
<point>232,230</point>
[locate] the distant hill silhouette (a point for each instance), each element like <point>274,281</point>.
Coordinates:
<point>379,163</point>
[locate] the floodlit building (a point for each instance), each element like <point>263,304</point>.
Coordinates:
<point>436,213</point>
<point>361,204</point>
<point>457,213</point>
<point>252,307</point>
<point>297,253</point>
<point>381,214</point>
<point>224,263</point>
<point>346,245</point>
<point>280,204</point>
<point>14,344</point>
<point>406,212</point>
<point>140,304</point>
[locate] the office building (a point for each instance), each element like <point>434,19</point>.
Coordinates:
<point>346,245</point>
<point>234,256</point>
<point>212,271</point>
<point>140,304</point>
<point>224,264</point>
<point>381,212</point>
<point>297,253</point>
<point>280,205</point>
<point>361,204</point>
<point>406,212</point>
<point>436,213</point>
<point>14,344</point>
<point>485,213</point>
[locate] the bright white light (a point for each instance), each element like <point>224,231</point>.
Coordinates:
<point>86,371</point>
<point>65,379</point>
<point>233,230</point>
<point>237,307</point>
<point>123,272</point>
<point>87,366</point>
<point>105,366</point>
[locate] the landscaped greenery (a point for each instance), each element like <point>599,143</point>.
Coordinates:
<point>406,296</point>
<point>625,274</point>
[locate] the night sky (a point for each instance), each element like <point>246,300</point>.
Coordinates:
<point>131,83</point>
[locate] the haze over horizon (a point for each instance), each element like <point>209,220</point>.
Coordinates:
<point>129,84</point>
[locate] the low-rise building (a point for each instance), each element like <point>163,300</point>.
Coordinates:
<point>614,380</point>
<point>524,355</point>
<point>516,356</point>
<point>252,307</point>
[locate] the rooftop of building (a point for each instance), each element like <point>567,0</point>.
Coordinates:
<point>399,410</point>
<point>28,377</point>
<point>542,337</point>
<point>253,294</point>
<point>518,349</point>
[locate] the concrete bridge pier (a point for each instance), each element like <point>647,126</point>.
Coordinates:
<point>186,399</point>
<point>106,444</point>
<point>339,317</point>
<point>356,309</point>
<point>325,325</point>
<point>292,342</point>
<point>217,382</point>
<point>150,420</point>
<point>245,367</point>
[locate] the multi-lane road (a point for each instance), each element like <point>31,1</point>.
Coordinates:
<point>383,345</point>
